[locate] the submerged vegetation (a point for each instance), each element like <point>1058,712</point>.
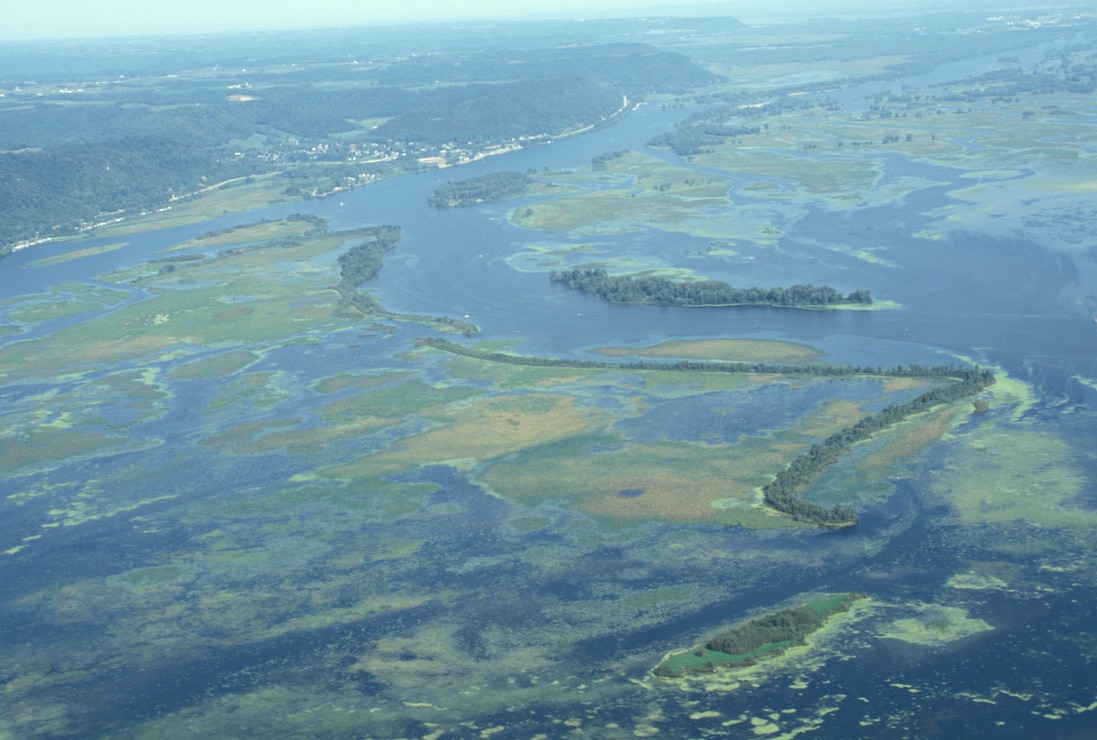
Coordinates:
<point>763,637</point>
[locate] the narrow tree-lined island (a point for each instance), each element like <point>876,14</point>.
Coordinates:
<point>663,292</point>
<point>782,494</point>
<point>764,637</point>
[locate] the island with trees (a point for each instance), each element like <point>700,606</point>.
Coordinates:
<point>663,292</point>
<point>472,191</point>
<point>759,639</point>
<point>362,262</point>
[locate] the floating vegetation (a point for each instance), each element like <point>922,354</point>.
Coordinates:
<point>934,625</point>
<point>218,366</point>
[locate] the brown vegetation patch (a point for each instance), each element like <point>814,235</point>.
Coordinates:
<point>739,350</point>
<point>233,313</point>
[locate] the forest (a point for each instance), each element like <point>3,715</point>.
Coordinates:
<point>55,191</point>
<point>541,108</point>
<point>663,292</point>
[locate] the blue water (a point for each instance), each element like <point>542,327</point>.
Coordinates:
<point>991,299</point>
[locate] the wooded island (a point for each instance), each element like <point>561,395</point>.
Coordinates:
<point>663,292</point>
<point>483,189</point>
<point>764,637</point>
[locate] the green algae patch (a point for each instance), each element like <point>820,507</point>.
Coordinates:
<point>934,625</point>
<point>481,430</point>
<point>1005,475</point>
<point>832,176</point>
<point>266,293</point>
<point>735,513</point>
<point>138,385</point>
<point>259,231</point>
<point>1008,469</point>
<point>757,640</point>
<point>654,192</point>
<point>392,401</point>
<point>89,507</point>
<point>548,257</point>
<point>46,445</point>
<point>218,366</point>
<point>976,582</point>
<point>260,390</point>
<point>345,381</point>
<point>58,259</point>
<point>866,473</point>
<point>67,299</point>
<point>154,577</point>
<point>738,350</point>
<point>529,523</point>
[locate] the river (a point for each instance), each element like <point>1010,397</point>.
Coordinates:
<point>971,296</point>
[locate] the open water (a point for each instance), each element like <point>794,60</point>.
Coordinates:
<point>999,300</point>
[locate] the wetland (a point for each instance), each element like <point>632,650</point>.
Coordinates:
<point>252,485</point>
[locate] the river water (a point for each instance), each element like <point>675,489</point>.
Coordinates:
<point>982,297</point>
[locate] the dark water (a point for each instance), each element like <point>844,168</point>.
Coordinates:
<point>993,300</point>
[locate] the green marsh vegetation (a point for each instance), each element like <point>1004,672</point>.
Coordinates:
<point>659,194</point>
<point>303,516</point>
<point>782,492</point>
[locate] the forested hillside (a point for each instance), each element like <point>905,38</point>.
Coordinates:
<point>76,153</point>
<point>66,186</point>
<point>529,108</point>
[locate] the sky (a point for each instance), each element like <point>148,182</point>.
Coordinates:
<point>57,19</point>
<point>46,19</point>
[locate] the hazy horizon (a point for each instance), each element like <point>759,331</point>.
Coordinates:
<point>74,19</point>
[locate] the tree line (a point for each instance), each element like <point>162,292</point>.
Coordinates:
<point>782,493</point>
<point>663,292</point>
